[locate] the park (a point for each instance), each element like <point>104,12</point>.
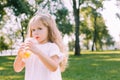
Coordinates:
<point>93,49</point>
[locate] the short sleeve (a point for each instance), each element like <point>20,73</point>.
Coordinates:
<point>54,50</point>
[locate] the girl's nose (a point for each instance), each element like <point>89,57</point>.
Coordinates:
<point>36,32</point>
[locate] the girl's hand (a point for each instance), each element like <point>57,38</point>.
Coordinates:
<point>21,50</point>
<point>31,46</point>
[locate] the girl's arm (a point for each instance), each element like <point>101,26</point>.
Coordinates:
<point>18,63</point>
<point>51,63</point>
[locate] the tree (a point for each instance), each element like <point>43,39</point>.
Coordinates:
<point>87,31</point>
<point>23,11</point>
<point>76,10</point>
<point>61,13</point>
<point>20,7</point>
<point>17,8</point>
<point>63,22</point>
<point>2,11</point>
<point>92,24</point>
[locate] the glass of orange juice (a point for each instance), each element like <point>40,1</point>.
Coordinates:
<point>27,53</point>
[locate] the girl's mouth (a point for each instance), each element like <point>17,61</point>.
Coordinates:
<point>36,37</point>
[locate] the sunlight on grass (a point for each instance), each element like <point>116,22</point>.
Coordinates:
<point>96,52</point>
<point>71,53</point>
<point>11,58</point>
<point>113,71</point>
<point>104,56</point>
<point>100,52</point>
<point>94,64</point>
<point>112,59</point>
<point>10,77</point>
<point>2,68</point>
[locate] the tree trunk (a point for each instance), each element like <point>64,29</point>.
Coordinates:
<point>22,33</point>
<point>77,24</point>
<point>94,34</point>
<point>87,46</point>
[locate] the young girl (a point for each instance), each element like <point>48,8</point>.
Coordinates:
<point>49,57</point>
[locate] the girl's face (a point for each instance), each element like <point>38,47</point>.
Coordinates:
<point>40,33</point>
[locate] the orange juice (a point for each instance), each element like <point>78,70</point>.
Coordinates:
<point>27,54</point>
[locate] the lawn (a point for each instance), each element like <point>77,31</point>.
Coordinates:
<point>85,67</point>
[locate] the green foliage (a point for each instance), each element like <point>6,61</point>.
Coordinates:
<point>2,11</point>
<point>103,34</point>
<point>39,1</point>
<point>3,45</point>
<point>93,25</point>
<point>63,21</point>
<point>20,6</point>
<point>95,3</point>
<point>25,24</point>
<point>71,45</point>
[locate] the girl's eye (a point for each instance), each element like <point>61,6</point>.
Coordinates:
<point>33,29</point>
<point>40,28</point>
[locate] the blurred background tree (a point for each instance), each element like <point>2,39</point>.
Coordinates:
<point>3,44</point>
<point>93,25</point>
<point>88,25</point>
<point>23,10</point>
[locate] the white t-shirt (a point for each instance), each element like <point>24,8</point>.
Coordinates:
<point>36,70</point>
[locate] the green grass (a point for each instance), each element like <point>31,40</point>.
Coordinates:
<point>6,69</point>
<point>104,66</point>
